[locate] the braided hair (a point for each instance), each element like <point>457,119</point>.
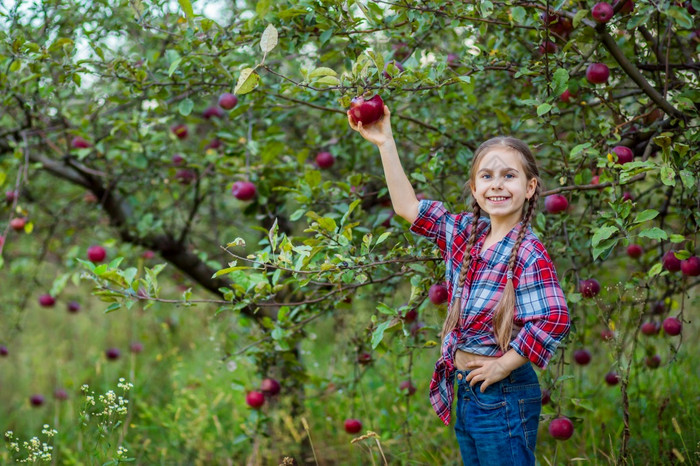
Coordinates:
<point>503,314</point>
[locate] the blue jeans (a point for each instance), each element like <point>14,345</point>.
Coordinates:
<point>499,426</point>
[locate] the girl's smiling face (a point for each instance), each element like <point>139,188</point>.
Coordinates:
<point>500,185</point>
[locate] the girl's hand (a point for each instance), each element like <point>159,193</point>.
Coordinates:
<point>488,371</point>
<point>378,132</point>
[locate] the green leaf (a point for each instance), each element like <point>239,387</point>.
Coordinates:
<point>653,233</point>
<point>173,66</point>
<point>580,14</point>
<point>330,80</point>
<point>688,179</point>
<point>269,39</point>
<point>543,108</point>
<point>668,176</point>
<point>646,215</point>
<point>383,237</point>
<point>654,270</point>
<point>384,309</point>
<point>185,107</point>
<point>326,35</point>
<point>322,71</point>
<point>247,81</point>
<point>518,14</point>
<point>187,8</point>
<point>113,307</point>
<point>560,81</point>
<point>676,238</point>
<point>680,16</point>
<point>378,333</point>
<point>603,233</point>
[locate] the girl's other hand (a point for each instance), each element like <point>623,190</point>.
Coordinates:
<point>377,133</point>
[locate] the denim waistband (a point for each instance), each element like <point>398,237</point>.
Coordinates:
<point>522,374</point>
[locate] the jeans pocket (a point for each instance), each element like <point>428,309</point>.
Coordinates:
<point>492,398</point>
<point>530,418</point>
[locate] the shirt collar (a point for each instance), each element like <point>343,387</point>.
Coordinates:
<point>499,252</point>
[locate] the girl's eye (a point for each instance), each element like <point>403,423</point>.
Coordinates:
<point>509,175</point>
<point>485,176</point>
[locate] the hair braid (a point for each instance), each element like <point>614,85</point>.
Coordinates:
<point>504,313</point>
<point>453,313</point>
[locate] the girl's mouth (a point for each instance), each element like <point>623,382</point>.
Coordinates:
<point>498,199</point>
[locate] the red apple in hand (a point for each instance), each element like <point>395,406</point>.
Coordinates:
<point>602,12</point>
<point>438,293</point>
<point>366,110</point>
<point>255,399</point>
<point>352,426</point>
<point>597,73</point>
<point>243,190</point>
<point>561,428</point>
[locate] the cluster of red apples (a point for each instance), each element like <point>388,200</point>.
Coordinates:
<point>268,388</point>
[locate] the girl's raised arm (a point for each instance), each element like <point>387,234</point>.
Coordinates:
<point>403,197</point>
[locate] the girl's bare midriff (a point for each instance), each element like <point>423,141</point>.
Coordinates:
<point>462,358</point>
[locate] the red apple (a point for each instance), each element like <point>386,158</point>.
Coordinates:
<point>136,347</point>
<point>653,362</point>
<point>185,176</point>
<point>672,326</point>
<point>11,196</point>
<point>407,387</point>
<point>597,73</point>
<point>3,351</point>
<point>558,24</point>
<point>179,130</point>
<point>46,300</point>
<point>602,12</point>
<point>607,334</point>
<point>624,154</point>
<point>659,307</point>
<point>627,196</point>
<point>589,288</point>
<point>635,251</point>
<point>325,160</point>
<point>438,293</point>
<point>595,179</point>
<point>214,144</point>
<point>73,307</point>
<point>227,101</point>
<point>582,356</point>
<point>96,254</point>
<point>612,378</point>
<point>546,397</point>
<point>410,316</point>
<point>213,112</point>
<point>113,353</point>
<point>148,254</point>
<point>691,266</point>
<point>364,358</point>
<point>561,428</point>
<point>60,394</point>
<point>566,96</point>
<point>36,400</point>
<point>671,262</point>
<point>255,399</point>
<point>178,159</point>
<point>18,223</point>
<point>79,143</point>
<point>366,110</point>
<point>243,190</point>
<point>547,47</point>
<point>386,68</point>
<point>352,426</point>
<point>650,328</point>
<point>555,203</point>
<point>270,387</point>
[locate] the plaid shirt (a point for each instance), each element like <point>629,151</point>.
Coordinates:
<point>541,317</point>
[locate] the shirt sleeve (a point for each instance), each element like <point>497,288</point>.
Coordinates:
<point>541,306</point>
<point>436,223</point>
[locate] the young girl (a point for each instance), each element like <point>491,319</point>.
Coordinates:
<point>506,306</point>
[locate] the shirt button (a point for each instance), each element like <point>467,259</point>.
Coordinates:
<point>459,376</point>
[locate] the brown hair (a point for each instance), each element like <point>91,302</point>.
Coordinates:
<point>504,312</point>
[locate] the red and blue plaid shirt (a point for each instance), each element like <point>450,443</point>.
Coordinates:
<point>541,316</point>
